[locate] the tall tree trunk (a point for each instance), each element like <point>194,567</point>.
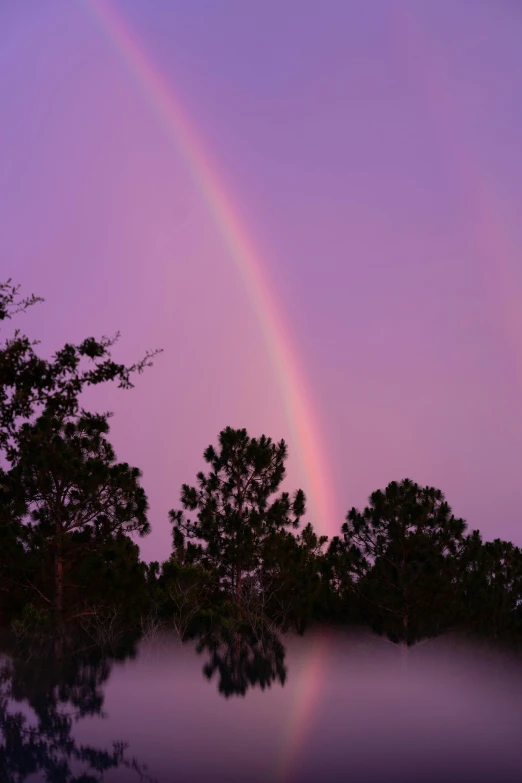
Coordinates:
<point>239,575</point>
<point>58,583</point>
<point>405,624</point>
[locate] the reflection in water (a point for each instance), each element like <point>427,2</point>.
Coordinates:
<point>243,658</point>
<point>449,712</point>
<point>42,698</point>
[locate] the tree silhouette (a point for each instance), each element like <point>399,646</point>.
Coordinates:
<point>243,656</point>
<point>292,579</point>
<point>491,587</point>
<point>33,387</point>
<point>60,693</point>
<point>235,509</point>
<point>401,553</point>
<point>29,382</point>
<point>76,495</point>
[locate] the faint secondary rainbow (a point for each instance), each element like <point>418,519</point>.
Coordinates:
<point>487,227</point>
<point>298,406</point>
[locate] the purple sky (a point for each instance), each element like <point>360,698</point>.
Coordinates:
<point>373,152</point>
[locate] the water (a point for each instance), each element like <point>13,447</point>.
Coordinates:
<point>352,708</point>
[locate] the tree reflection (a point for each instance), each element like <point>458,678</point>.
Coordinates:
<point>41,700</point>
<point>243,655</point>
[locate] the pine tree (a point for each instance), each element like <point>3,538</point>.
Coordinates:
<point>34,390</point>
<point>236,510</point>
<point>401,552</point>
<point>293,578</point>
<point>75,494</point>
<point>491,592</point>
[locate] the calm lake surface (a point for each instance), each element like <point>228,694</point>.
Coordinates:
<point>353,708</point>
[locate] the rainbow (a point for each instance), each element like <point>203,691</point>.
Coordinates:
<point>490,237</point>
<point>488,230</point>
<point>299,722</point>
<point>298,406</point>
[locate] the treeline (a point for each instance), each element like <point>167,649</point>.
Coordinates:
<point>244,564</point>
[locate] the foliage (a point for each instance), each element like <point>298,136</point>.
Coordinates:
<point>292,580</point>
<point>491,587</point>
<point>187,592</point>
<point>401,552</point>
<point>242,569</point>
<point>76,497</point>
<point>59,693</point>
<point>30,383</point>
<point>45,437</point>
<point>235,509</point>
<point>243,655</point>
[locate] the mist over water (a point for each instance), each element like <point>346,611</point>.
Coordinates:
<point>353,708</point>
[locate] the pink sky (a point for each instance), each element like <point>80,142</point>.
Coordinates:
<point>372,152</point>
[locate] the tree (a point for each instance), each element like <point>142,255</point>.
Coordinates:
<point>12,552</point>
<point>75,494</point>
<point>30,383</point>
<point>491,586</point>
<point>110,592</point>
<point>292,578</point>
<point>11,303</point>
<point>185,592</point>
<point>401,552</point>
<point>31,386</point>
<point>235,509</point>
<point>243,660</point>
<point>43,746</point>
